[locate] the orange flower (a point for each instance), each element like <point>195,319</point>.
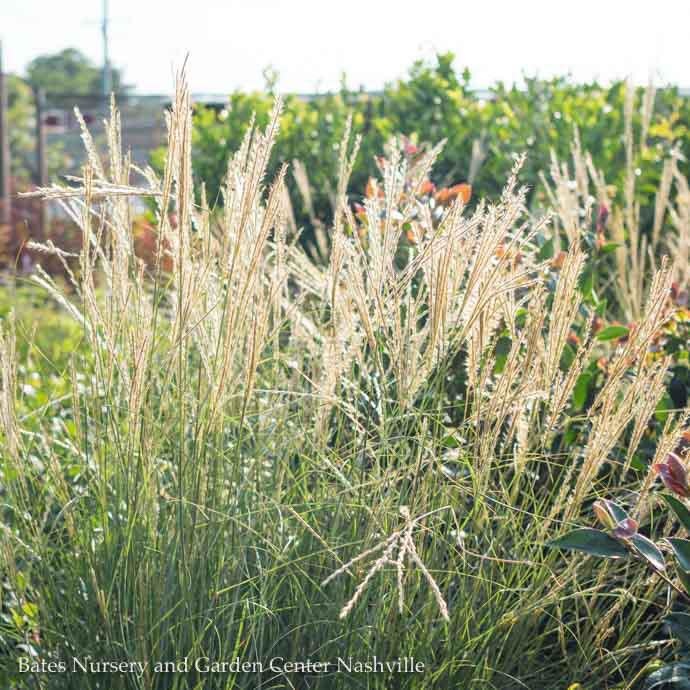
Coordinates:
<point>409,148</point>
<point>558,260</point>
<point>446,195</point>
<point>514,256</point>
<point>372,189</point>
<point>573,339</point>
<point>427,188</point>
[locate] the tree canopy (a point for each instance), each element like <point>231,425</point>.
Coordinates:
<point>70,72</point>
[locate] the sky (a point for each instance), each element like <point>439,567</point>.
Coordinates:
<point>311,43</point>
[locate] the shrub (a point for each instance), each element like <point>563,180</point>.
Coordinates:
<point>482,134</point>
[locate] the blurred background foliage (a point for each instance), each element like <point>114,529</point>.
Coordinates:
<point>483,131</point>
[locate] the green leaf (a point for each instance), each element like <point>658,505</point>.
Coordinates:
<point>681,549</point>
<point>616,511</point>
<point>679,509</point>
<point>612,333</point>
<point>568,356</point>
<point>30,610</point>
<point>684,579</point>
<point>521,317</point>
<point>581,390</point>
<point>674,677</point>
<point>588,293</point>
<point>601,307</point>
<point>545,251</point>
<point>17,619</point>
<point>648,550</point>
<point>502,350</point>
<point>609,247</point>
<point>450,441</point>
<point>680,625</point>
<point>638,464</point>
<point>594,542</point>
<point>570,435</point>
<point>663,408</point>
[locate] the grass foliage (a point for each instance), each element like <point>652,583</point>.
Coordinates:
<point>259,454</point>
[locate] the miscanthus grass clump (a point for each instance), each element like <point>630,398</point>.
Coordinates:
<point>266,455</point>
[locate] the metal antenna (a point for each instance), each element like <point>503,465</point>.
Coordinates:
<point>107,73</point>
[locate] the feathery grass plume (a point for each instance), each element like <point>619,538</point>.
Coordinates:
<point>678,243</point>
<point>226,288</point>
<point>573,200</point>
<point>479,154</point>
<point>564,310</point>
<point>656,312</point>
<point>8,388</point>
<point>615,411</point>
<point>402,540</point>
<point>650,396</point>
<point>340,344</point>
<point>618,402</point>
<point>318,248</point>
<point>570,198</point>
<point>676,423</point>
<point>662,199</point>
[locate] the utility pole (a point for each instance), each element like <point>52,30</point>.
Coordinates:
<point>107,72</point>
<point>5,200</point>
